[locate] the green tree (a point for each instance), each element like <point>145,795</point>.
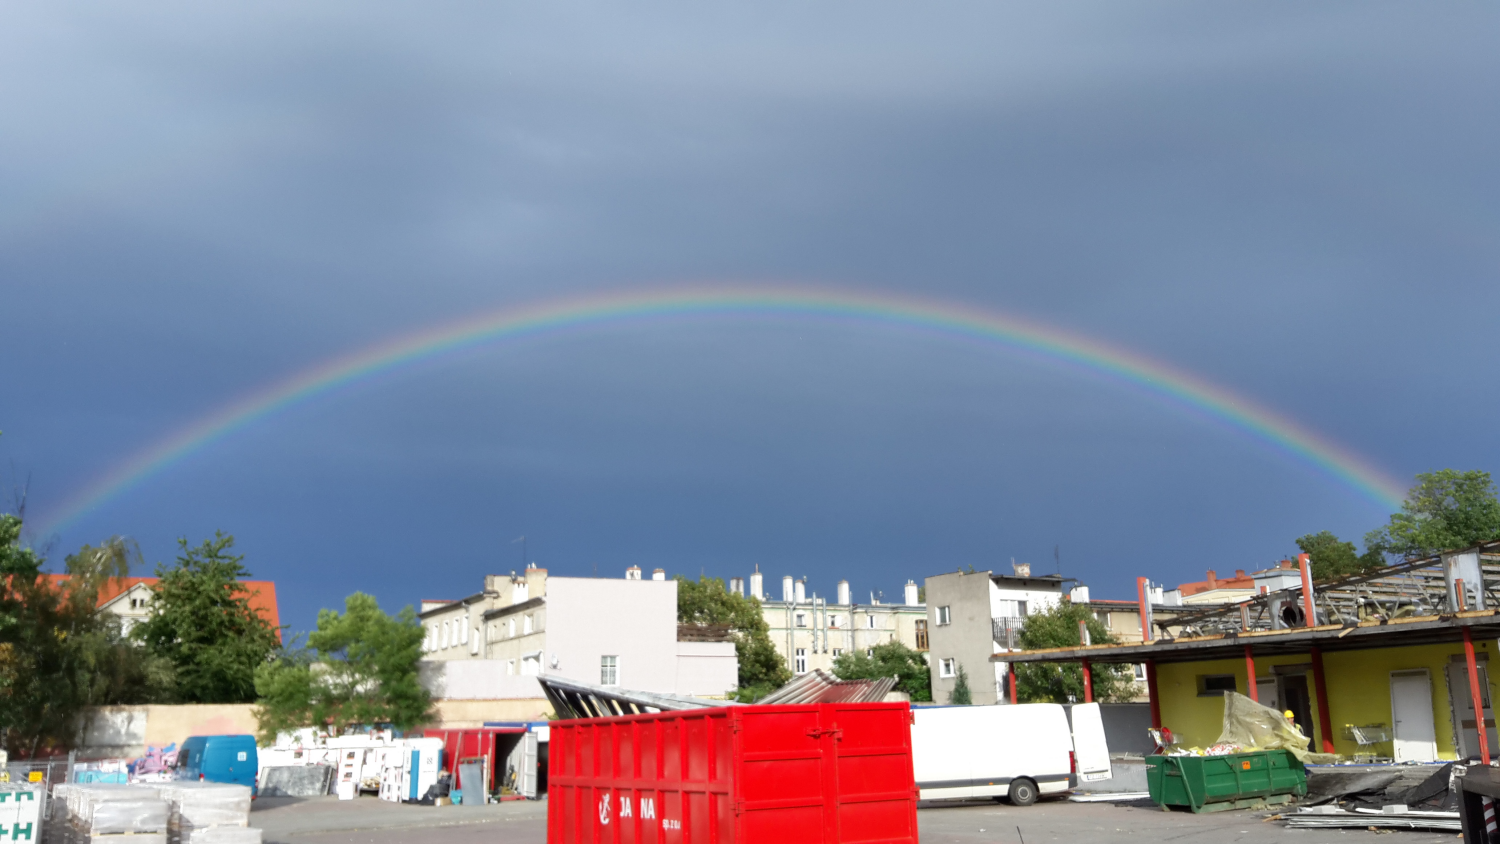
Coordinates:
<point>1057,627</point>
<point>58,653</point>
<point>1332,557</point>
<point>708,604</point>
<point>360,668</point>
<point>961,696</point>
<point>201,620</point>
<point>1446,510</point>
<point>888,659</point>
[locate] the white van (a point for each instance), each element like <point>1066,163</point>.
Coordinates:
<point>1016,752</point>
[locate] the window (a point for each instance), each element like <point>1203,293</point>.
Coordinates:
<point>833,621</point>
<point>510,666</point>
<point>511,626</point>
<point>870,621</point>
<point>526,625</point>
<point>138,603</point>
<point>801,664</point>
<point>921,634</point>
<point>446,626</point>
<point>869,652</point>
<point>944,615</point>
<point>464,635</point>
<point>609,671</point>
<point>1012,609</point>
<point>474,648</point>
<point>1215,685</point>
<point>838,652</point>
<point>1140,672</point>
<point>945,668</point>
<point>801,620</point>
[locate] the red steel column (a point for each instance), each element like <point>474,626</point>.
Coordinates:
<point>1151,692</point>
<point>1250,674</point>
<point>1308,608</point>
<point>1010,676</point>
<point>1325,721</point>
<point>1088,683</point>
<point>1143,608</point>
<point>1478,700</point>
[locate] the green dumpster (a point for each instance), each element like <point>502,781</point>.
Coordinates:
<point>1235,781</point>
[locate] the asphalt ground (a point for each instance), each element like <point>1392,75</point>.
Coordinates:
<point>327,820</point>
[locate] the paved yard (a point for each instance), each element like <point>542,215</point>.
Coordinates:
<point>326,820</point>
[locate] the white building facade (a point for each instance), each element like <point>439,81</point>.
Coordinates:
<point>811,632</point>
<point>616,632</point>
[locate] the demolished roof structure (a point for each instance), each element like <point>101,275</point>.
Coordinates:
<point>573,699</point>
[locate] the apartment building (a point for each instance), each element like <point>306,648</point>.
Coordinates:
<point>810,631</point>
<point>617,632</point>
<point>974,615</point>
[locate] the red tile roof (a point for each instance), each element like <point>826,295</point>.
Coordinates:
<point>262,593</point>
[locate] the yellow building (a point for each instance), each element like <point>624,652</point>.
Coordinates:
<point>1401,684</point>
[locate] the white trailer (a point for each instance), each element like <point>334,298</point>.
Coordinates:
<point>1011,752</point>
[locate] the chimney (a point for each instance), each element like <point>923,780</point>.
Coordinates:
<point>1288,564</point>
<point>1239,572</point>
<point>1079,595</point>
<point>1020,569</point>
<point>786,589</point>
<point>659,574</point>
<point>799,590</point>
<point>1213,582</point>
<point>633,573</point>
<point>737,586</point>
<point>757,585</point>
<point>911,593</point>
<point>844,592</point>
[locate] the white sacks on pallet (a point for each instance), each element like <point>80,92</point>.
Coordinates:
<point>21,811</point>
<point>176,812</point>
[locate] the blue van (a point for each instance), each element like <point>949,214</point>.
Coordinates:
<point>219,759</point>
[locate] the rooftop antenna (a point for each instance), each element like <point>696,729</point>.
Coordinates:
<point>521,539</point>
<point>1057,555</point>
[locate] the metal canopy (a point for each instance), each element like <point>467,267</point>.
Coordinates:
<point>1423,630</point>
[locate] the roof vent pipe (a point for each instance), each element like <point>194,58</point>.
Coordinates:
<point>911,593</point>
<point>799,590</point>
<point>757,585</point>
<point>844,592</point>
<point>659,574</point>
<point>786,589</point>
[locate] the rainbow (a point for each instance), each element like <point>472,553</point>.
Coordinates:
<point>1178,387</point>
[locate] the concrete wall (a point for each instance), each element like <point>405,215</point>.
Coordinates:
<point>476,679</point>
<point>466,714</point>
<point>967,638</point>
<point>125,731</point>
<point>635,620</point>
<point>707,669</point>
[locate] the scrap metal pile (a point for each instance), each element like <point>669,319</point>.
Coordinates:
<point>1423,798</point>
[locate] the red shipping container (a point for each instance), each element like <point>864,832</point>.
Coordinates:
<point>830,773</point>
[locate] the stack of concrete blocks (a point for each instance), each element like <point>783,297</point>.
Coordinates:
<point>100,813</point>
<point>21,811</point>
<point>208,813</point>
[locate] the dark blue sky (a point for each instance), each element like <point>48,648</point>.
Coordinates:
<point>1295,201</point>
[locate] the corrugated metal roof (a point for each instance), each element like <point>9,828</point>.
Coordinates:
<point>819,687</point>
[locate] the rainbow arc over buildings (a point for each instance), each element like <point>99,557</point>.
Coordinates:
<point>1182,389</point>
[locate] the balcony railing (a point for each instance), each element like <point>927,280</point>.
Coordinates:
<point>1007,631</point>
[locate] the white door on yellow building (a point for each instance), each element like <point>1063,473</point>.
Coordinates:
<point>1413,734</point>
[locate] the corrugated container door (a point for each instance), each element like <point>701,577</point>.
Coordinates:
<point>874,790</point>
<point>782,778</point>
